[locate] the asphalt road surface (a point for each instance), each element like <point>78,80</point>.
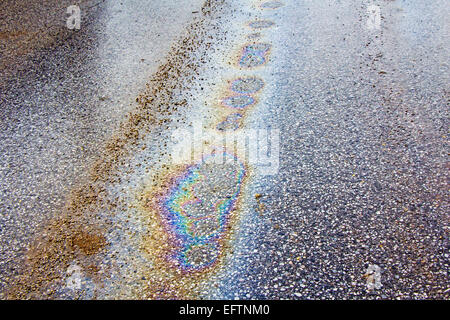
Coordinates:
<point>228,149</point>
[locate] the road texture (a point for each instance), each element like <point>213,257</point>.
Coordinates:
<point>351,201</point>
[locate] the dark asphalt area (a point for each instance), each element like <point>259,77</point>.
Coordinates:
<point>357,210</point>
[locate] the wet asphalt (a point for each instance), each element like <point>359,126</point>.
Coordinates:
<point>62,98</point>
<point>362,182</point>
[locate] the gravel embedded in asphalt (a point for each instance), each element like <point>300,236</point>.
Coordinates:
<point>356,210</point>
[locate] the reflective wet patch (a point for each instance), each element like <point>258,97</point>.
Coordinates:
<point>254,36</point>
<point>232,122</point>
<point>272,5</point>
<point>248,85</point>
<point>238,102</point>
<point>261,24</point>
<point>254,55</point>
<point>259,47</point>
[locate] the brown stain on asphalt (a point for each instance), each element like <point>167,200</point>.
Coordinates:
<point>77,233</point>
